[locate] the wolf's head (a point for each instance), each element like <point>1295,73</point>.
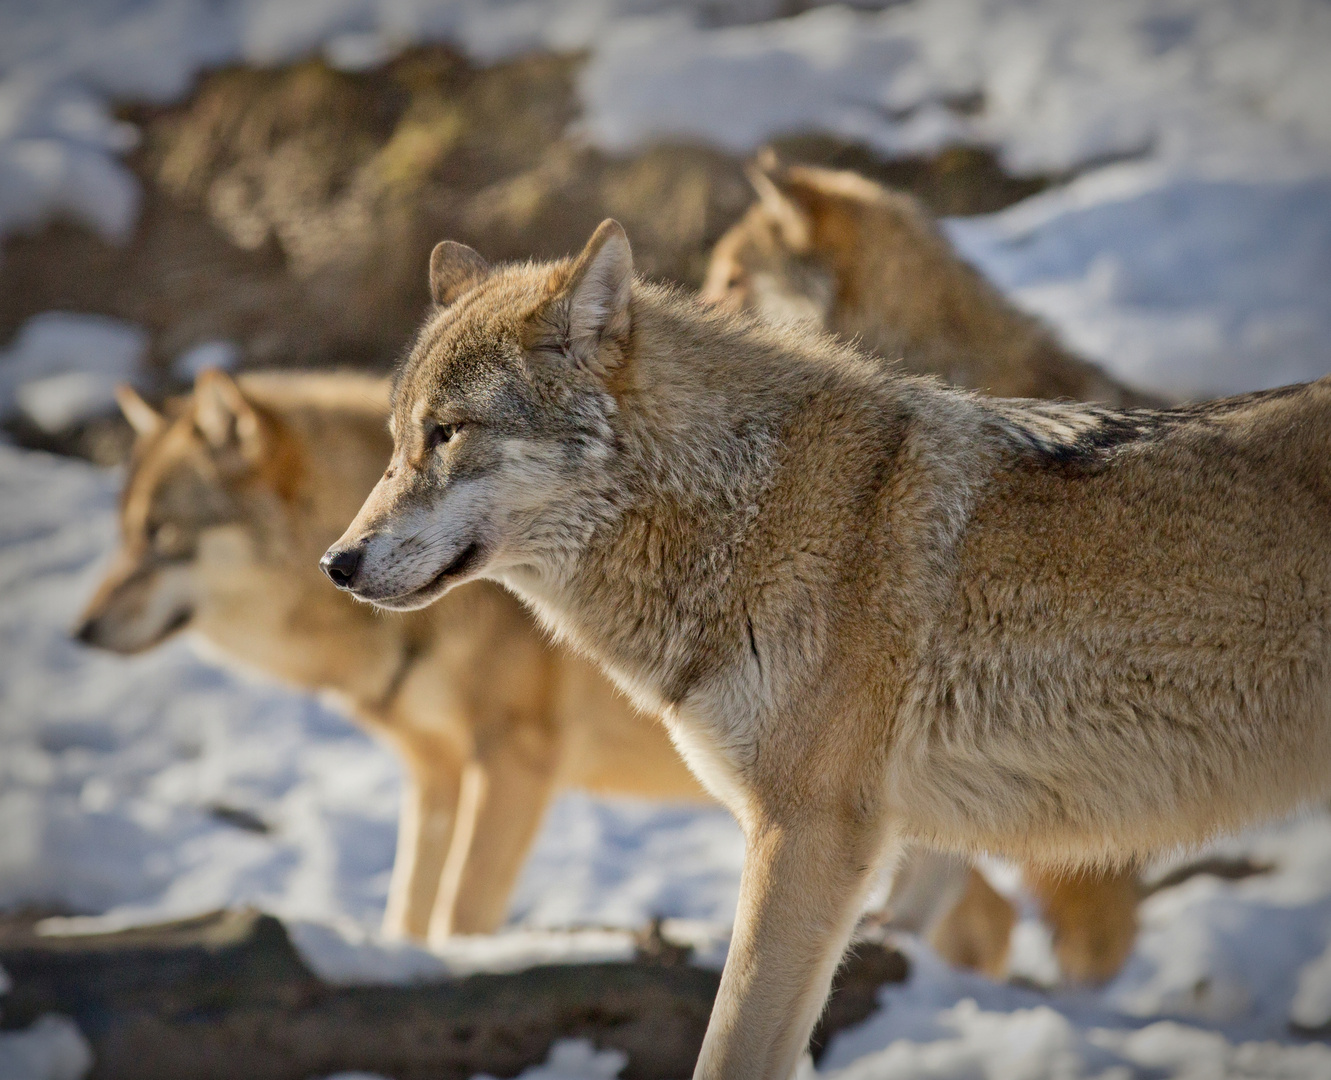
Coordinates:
<point>502,424</point>
<point>771,262</point>
<point>192,475</point>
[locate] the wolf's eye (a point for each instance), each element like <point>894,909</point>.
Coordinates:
<point>442,433</point>
<point>165,538</point>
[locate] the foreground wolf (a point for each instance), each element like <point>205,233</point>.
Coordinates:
<point>229,502</point>
<point>839,252</point>
<point>836,251</point>
<point>870,608</point>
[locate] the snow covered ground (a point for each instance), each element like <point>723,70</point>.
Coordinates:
<point>1192,253</point>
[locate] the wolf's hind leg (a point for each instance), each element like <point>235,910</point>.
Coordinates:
<point>801,892</point>
<point>1093,917</point>
<point>976,931</point>
<point>430,792</point>
<point>504,798</point>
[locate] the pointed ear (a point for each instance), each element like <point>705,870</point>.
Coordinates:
<point>224,417</point>
<point>454,268</point>
<point>598,291</point>
<point>791,219</point>
<point>142,417</point>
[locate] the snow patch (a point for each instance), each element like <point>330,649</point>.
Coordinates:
<point>63,368</point>
<point>53,1048</point>
<point>222,355</point>
<point>346,954</point>
<point>574,1059</point>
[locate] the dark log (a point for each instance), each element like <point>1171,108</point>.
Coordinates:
<point>227,995</point>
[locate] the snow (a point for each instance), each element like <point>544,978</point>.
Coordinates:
<point>569,1059</point>
<point>343,955</point>
<point>1190,284</point>
<point>1311,1007</point>
<point>223,355</point>
<point>1191,253</point>
<point>53,1048</point>
<point>62,368</point>
<point>575,1059</point>
<point>1219,970</point>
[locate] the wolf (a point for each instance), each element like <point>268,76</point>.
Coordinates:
<point>231,497</point>
<point>872,609</point>
<point>834,249</point>
<point>837,251</point>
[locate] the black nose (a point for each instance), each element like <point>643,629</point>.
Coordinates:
<point>84,631</point>
<point>341,566</point>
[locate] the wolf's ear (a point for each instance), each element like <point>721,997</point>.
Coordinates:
<point>598,292</point>
<point>142,417</point>
<point>454,268</point>
<point>224,417</point>
<point>791,219</point>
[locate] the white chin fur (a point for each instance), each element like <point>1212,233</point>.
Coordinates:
<point>410,602</point>
<point>424,596</point>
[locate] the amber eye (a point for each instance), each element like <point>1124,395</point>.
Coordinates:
<point>442,433</point>
<point>166,538</point>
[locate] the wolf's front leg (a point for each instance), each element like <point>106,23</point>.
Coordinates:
<point>430,792</point>
<point>504,797</point>
<point>801,892</point>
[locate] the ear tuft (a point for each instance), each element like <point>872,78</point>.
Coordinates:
<point>143,418</point>
<point>454,268</point>
<point>224,416</point>
<point>791,219</point>
<point>599,291</point>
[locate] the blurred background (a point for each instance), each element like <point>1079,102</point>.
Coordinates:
<point>257,184</point>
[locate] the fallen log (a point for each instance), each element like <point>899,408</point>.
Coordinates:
<point>227,995</point>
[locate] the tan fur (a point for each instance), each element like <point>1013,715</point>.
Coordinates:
<point>871,609</point>
<point>844,253</point>
<point>976,931</point>
<point>227,507</point>
<point>1093,915</point>
<point>868,263</point>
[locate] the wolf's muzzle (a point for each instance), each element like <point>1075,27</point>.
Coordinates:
<point>341,566</point>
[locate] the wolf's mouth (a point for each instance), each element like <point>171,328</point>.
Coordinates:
<point>466,560</point>
<point>179,621</point>
<point>468,557</point>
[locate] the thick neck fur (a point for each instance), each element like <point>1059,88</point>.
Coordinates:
<point>712,420</point>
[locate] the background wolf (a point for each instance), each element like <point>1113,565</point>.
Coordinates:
<point>840,252</point>
<point>230,499</point>
<point>871,609</point>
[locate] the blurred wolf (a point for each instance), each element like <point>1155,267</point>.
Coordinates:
<point>840,252</point>
<point>835,250</point>
<point>872,609</point>
<point>230,500</point>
